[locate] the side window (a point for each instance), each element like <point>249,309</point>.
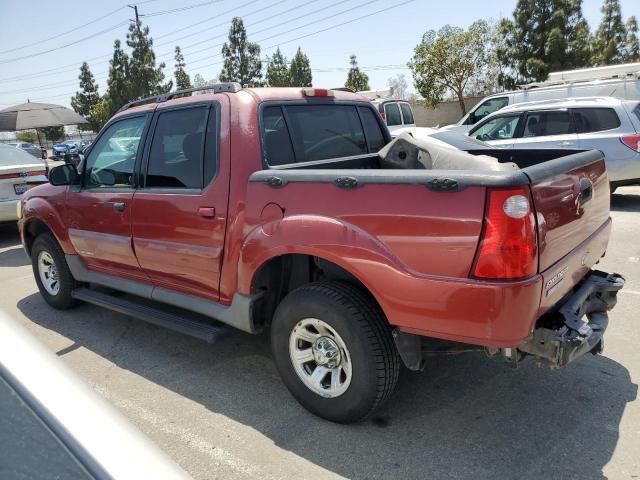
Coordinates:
<point>112,159</point>
<point>175,158</point>
<point>498,128</point>
<point>487,107</point>
<point>540,124</point>
<point>277,143</point>
<point>372,129</point>
<point>407,114</point>
<point>595,119</point>
<point>392,114</point>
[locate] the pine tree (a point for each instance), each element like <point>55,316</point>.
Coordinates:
<point>277,71</point>
<point>300,71</point>
<point>85,99</point>
<point>118,84</point>
<point>356,80</point>
<point>609,41</point>
<point>632,53</point>
<point>145,78</point>
<point>242,62</point>
<point>543,36</point>
<point>183,81</point>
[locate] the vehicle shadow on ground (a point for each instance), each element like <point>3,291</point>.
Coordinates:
<point>14,255</point>
<point>466,416</point>
<point>621,202</point>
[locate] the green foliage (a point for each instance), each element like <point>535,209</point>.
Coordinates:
<point>85,99</point>
<point>119,89</point>
<point>199,81</point>
<point>53,133</point>
<point>543,36</point>
<point>101,112</point>
<point>609,41</point>
<point>632,53</point>
<point>183,81</point>
<point>277,71</point>
<point>26,136</point>
<point>242,62</point>
<point>445,62</point>
<point>300,70</point>
<point>144,77</point>
<point>356,80</point>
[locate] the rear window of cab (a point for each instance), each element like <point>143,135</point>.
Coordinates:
<point>307,133</point>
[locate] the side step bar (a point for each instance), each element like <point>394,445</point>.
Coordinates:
<point>180,323</point>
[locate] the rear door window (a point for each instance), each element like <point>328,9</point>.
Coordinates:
<point>541,124</point>
<point>305,133</point>
<point>175,158</point>
<point>392,114</point>
<point>407,115</point>
<point>589,120</point>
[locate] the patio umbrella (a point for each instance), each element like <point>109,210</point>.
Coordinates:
<point>37,115</point>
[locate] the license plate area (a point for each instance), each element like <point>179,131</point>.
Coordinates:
<point>21,188</point>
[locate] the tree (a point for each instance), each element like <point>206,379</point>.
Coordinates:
<point>398,86</point>
<point>356,80</point>
<point>543,36</point>
<point>199,81</point>
<point>53,133</point>
<point>300,70</point>
<point>85,99</point>
<point>28,136</point>
<point>144,77</point>
<point>242,62</point>
<point>610,40</point>
<point>277,71</point>
<point>632,53</point>
<point>183,81</point>
<point>119,89</point>
<point>444,62</point>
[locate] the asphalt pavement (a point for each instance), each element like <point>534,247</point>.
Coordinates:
<point>221,411</point>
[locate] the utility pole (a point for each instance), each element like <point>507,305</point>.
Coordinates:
<point>135,9</point>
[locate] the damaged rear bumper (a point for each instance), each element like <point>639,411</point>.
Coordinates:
<point>585,319</point>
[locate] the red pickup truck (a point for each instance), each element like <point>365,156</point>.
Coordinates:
<point>270,209</point>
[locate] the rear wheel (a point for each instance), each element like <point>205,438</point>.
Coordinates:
<point>52,273</point>
<point>334,351</point>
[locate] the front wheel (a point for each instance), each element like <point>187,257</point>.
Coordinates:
<point>52,273</point>
<point>334,350</point>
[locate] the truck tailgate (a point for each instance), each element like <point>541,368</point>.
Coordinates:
<point>571,198</point>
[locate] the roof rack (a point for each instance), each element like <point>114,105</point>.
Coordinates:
<point>232,87</point>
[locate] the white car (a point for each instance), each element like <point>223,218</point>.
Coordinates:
<point>19,172</point>
<point>396,114</point>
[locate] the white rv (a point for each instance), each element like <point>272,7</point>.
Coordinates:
<point>619,81</point>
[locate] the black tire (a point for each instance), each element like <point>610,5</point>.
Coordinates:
<point>62,300</point>
<point>362,326</point>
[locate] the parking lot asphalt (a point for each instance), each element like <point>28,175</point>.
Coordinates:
<point>221,411</point>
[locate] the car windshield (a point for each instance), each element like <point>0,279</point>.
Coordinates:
<point>11,156</point>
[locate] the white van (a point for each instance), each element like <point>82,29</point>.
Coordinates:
<point>619,81</point>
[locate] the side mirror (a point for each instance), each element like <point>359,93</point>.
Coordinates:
<point>66,174</point>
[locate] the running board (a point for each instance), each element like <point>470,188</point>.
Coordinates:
<point>202,330</point>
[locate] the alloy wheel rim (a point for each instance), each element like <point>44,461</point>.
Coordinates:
<point>48,272</point>
<point>320,358</point>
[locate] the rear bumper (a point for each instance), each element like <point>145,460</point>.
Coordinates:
<point>574,337</point>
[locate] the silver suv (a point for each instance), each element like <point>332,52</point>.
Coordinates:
<point>601,123</point>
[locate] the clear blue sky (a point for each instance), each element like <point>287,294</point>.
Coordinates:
<point>381,41</point>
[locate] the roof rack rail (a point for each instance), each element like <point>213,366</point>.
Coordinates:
<point>232,87</point>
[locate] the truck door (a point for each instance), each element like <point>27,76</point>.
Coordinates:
<point>180,209</point>
<point>98,212</point>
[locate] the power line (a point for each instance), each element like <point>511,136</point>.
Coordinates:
<point>181,9</point>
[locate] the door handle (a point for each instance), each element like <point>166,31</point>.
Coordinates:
<point>207,212</point>
<point>119,206</point>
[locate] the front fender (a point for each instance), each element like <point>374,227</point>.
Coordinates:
<point>39,209</point>
<point>332,239</point>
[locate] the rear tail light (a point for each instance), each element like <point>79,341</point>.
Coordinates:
<point>318,92</point>
<point>508,246</point>
<point>632,141</point>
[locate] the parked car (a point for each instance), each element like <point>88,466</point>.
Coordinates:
<point>620,81</point>
<point>62,149</point>
<point>56,426</point>
<point>19,172</point>
<point>30,148</point>
<point>601,123</point>
<point>396,114</point>
<point>278,209</point>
